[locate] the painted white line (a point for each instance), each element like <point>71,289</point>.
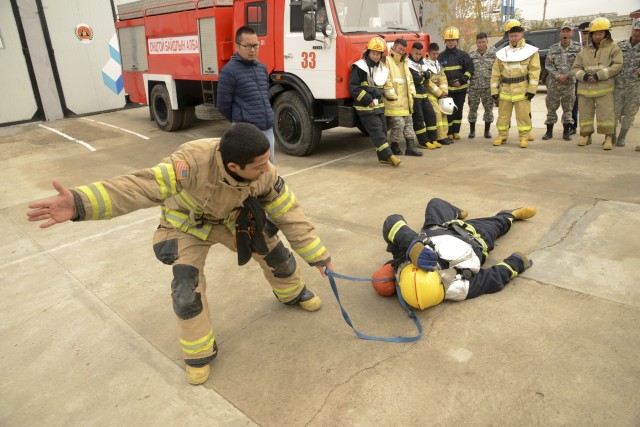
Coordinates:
<point>83,239</point>
<point>64,135</point>
<point>116,127</point>
<point>323,164</point>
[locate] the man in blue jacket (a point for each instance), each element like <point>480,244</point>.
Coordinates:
<point>243,87</point>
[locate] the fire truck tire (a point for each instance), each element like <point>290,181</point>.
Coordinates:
<point>295,131</point>
<point>188,117</point>
<point>166,118</point>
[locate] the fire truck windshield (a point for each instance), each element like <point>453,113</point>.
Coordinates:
<point>376,16</point>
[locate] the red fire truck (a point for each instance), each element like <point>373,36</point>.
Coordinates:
<point>173,50</point>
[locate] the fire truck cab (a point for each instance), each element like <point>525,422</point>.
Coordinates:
<point>172,52</point>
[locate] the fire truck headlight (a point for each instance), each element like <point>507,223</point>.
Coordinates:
<point>328,30</point>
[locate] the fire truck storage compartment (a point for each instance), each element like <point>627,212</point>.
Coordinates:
<point>133,48</point>
<point>207,41</point>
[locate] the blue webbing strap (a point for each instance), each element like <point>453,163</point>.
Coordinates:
<point>332,275</point>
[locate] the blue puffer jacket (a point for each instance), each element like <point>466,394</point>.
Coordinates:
<point>243,93</point>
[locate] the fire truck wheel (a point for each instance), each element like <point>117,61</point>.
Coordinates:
<point>188,117</point>
<point>295,131</point>
<point>166,118</point>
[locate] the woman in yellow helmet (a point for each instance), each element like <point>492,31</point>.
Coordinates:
<point>595,68</point>
<point>444,260</point>
<point>369,79</point>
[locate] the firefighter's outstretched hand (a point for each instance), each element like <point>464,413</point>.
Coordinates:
<point>327,266</point>
<point>54,211</point>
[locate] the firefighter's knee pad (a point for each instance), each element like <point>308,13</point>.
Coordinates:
<point>187,303</point>
<point>281,261</point>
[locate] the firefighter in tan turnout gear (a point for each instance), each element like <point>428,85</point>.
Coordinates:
<point>595,68</point>
<point>514,81</point>
<point>210,191</point>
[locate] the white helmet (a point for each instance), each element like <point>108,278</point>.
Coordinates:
<point>447,106</point>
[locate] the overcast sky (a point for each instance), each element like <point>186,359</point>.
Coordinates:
<point>532,9</point>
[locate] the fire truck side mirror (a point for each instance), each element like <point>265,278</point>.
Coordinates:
<point>309,26</point>
<point>308,6</point>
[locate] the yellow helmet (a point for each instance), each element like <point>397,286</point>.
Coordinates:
<point>599,24</point>
<point>511,23</point>
<point>420,289</point>
<point>377,44</point>
<point>451,33</point>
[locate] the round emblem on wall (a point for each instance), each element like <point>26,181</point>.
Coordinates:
<point>84,33</point>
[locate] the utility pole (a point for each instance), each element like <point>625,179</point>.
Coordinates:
<point>544,13</point>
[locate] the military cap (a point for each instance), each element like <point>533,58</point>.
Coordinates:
<point>584,27</point>
<point>567,24</point>
<point>636,25</point>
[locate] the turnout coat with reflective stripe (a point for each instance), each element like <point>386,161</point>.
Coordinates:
<point>195,191</point>
<point>521,62</point>
<point>399,100</point>
<point>605,61</point>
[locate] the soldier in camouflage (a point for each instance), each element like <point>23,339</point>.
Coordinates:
<point>560,82</point>
<point>480,85</point>
<point>627,88</point>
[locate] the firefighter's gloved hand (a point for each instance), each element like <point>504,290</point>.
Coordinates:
<point>525,259</point>
<point>496,102</point>
<point>422,257</point>
<point>529,95</point>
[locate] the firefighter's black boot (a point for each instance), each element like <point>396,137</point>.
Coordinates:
<point>472,130</point>
<point>395,149</point>
<point>549,133</point>
<point>487,128</point>
<point>411,150</point>
<point>621,137</point>
<point>566,133</point>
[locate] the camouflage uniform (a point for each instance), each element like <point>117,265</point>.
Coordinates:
<point>480,85</point>
<point>559,61</point>
<point>627,86</point>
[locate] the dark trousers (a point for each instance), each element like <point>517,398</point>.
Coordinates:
<point>424,121</point>
<point>455,120</point>
<point>376,126</point>
<point>574,113</point>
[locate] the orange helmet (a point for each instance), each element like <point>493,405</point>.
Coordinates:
<point>377,44</point>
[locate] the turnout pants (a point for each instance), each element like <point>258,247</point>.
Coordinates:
<point>424,121</point>
<point>375,124</point>
<point>187,254</point>
<point>597,106</point>
<point>455,120</point>
<point>442,123</point>
<point>523,117</point>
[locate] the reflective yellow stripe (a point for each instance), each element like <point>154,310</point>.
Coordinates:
<point>312,251</point>
<point>397,226</point>
<point>367,108</point>
<point>594,93</point>
<point>186,200</point>
<point>524,127</point>
<point>166,179</point>
<point>587,123</point>
<point>461,87</point>
<point>287,293</point>
<point>513,272</point>
<point>503,127</point>
<point>182,222</point>
<point>432,127</point>
<point>455,67</point>
<point>282,204</point>
<point>512,98</point>
<point>471,229</point>
<point>361,95</point>
<point>202,344</point>
<point>383,146</point>
<point>397,112</point>
<point>421,131</point>
<point>100,201</point>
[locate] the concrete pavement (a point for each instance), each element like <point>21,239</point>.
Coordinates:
<point>88,337</point>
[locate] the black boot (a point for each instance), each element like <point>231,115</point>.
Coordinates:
<point>411,150</point>
<point>621,136</point>
<point>395,149</point>
<point>549,133</point>
<point>487,127</point>
<point>566,133</point>
<point>472,130</point>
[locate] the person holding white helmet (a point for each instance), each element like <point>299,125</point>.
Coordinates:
<point>444,260</point>
<point>595,68</point>
<point>458,67</point>
<point>514,80</point>
<point>369,78</point>
<point>439,90</point>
